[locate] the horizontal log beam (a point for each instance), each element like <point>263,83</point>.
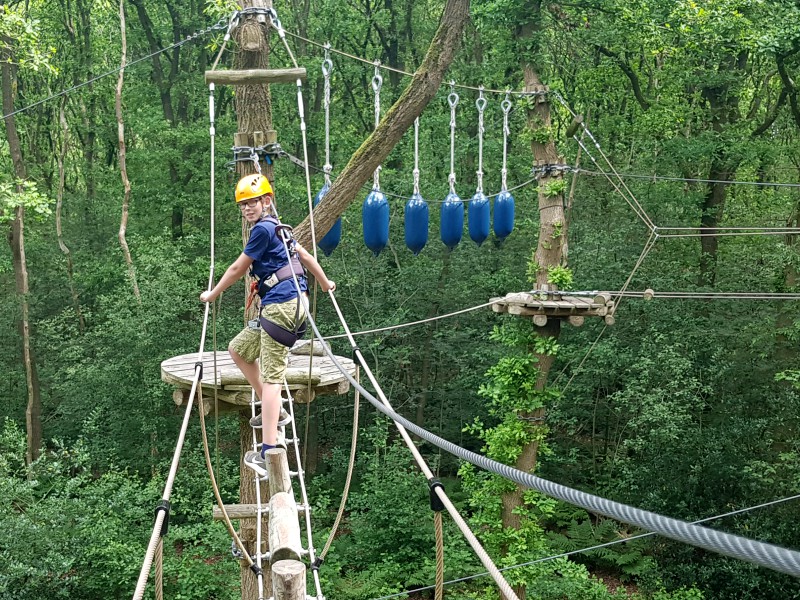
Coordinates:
<point>255,76</point>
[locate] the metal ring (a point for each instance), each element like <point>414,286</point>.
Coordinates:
<point>327,66</point>
<point>481,104</point>
<point>506,105</point>
<point>452,99</point>
<point>377,81</point>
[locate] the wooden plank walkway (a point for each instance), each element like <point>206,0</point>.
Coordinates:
<point>540,307</point>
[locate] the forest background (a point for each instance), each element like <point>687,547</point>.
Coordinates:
<point>685,407</point>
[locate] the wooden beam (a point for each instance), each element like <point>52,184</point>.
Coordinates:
<point>278,468</point>
<point>255,76</point>
<point>284,528</point>
<point>289,580</point>
<point>243,511</point>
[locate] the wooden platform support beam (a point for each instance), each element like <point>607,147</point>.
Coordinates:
<point>289,580</point>
<point>255,76</point>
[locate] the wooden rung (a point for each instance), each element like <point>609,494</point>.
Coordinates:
<point>243,511</point>
<point>255,76</point>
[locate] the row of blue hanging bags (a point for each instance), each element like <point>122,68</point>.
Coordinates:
<point>375,209</point>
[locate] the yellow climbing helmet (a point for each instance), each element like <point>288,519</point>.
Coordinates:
<point>252,186</point>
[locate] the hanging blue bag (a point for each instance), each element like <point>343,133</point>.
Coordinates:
<point>417,217</point>
<point>375,221</point>
<point>503,215</point>
<point>478,218</point>
<point>331,239</point>
<point>452,220</point>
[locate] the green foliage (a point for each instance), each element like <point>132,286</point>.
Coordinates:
<point>28,197</point>
<point>561,277</point>
<point>554,187</point>
<point>20,41</point>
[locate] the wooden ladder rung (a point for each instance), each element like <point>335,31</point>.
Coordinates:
<point>255,76</point>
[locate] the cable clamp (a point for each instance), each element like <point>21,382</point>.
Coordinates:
<point>436,502</point>
<point>163,506</point>
<point>317,563</point>
<point>257,571</point>
<point>356,349</point>
<point>237,554</point>
<point>199,365</point>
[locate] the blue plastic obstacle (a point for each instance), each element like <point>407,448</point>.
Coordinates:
<point>452,220</point>
<point>375,221</point>
<point>503,215</point>
<point>478,218</point>
<point>417,217</point>
<point>331,239</point>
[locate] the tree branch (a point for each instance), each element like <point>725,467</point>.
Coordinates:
<point>631,75</point>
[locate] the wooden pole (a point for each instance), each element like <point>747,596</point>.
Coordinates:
<point>255,76</point>
<point>289,580</point>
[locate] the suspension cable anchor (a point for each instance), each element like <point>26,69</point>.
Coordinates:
<point>436,502</point>
<point>257,571</point>
<point>317,563</point>
<point>163,506</point>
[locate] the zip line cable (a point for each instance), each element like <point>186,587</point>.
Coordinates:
<point>221,24</point>
<point>588,549</point>
<point>768,555</point>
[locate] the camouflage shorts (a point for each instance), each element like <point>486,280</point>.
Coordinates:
<point>251,344</point>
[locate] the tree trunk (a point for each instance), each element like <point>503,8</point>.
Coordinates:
<point>123,170</point>
<point>16,239</point>
<point>549,253</point>
<point>395,123</point>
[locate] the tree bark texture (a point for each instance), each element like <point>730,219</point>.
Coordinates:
<point>123,170</point>
<point>16,239</point>
<point>395,123</point>
<point>549,253</point>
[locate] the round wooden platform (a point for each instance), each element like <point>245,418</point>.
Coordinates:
<point>233,388</point>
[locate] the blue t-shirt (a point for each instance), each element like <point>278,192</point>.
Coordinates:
<point>268,254</point>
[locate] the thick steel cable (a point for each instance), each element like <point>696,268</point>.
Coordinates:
<point>483,556</point>
<point>437,526</point>
<point>699,180</point>
<point>651,241</point>
<point>760,553</point>
<point>621,540</point>
<point>218,25</point>
<point>350,468</point>
<point>480,104</point>
<point>452,101</point>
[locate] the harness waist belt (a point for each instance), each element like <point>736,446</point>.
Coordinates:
<point>283,336</point>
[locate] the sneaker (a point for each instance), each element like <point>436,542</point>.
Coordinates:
<point>255,461</point>
<point>284,419</point>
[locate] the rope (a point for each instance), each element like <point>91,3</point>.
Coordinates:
<point>159,567</point>
<point>415,173</point>
<point>218,25</point>
<point>767,555</point>
<point>452,101</point>
<point>437,526</point>
<point>582,550</point>
<point>327,68</point>
<point>377,82</point>
<point>480,104</point>
<point>505,105</point>
<point>350,465</point>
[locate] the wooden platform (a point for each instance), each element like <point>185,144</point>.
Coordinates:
<point>232,387</point>
<point>541,307</point>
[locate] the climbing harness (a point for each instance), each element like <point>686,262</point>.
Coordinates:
<point>262,286</point>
